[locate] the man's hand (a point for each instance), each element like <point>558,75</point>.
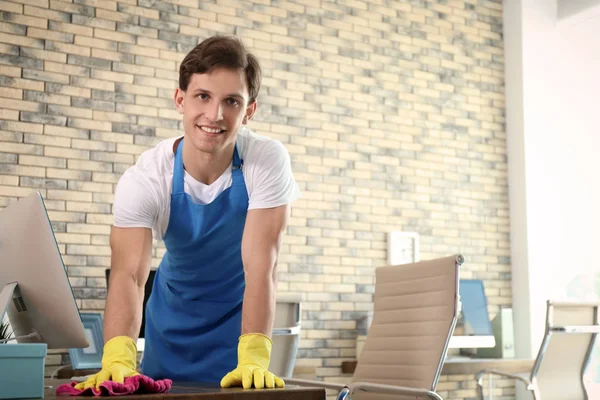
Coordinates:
<point>118,363</point>
<point>254,356</point>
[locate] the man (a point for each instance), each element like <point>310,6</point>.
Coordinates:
<point>219,198</point>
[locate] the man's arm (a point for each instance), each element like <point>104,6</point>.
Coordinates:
<point>130,266</point>
<point>260,249</point>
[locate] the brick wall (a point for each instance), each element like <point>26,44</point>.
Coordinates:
<point>392,111</point>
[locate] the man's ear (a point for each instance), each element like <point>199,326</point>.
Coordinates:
<point>178,98</point>
<point>250,110</point>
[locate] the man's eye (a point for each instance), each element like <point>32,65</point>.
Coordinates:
<point>203,96</point>
<point>232,102</point>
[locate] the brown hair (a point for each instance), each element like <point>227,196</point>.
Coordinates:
<point>225,52</point>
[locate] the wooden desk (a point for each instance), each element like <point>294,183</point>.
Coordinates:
<point>470,366</point>
<point>474,365</point>
<point>198,391</point>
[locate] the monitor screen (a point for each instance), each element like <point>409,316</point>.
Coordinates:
<point>473,328</point>
<point>35,291</point>
<point>475,315</point>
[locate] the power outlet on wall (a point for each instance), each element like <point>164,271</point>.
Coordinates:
<point>402,247</point>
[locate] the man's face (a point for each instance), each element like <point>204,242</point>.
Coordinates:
<point>214,107</point>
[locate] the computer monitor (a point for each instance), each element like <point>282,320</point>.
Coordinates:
<point>473,329</point>
<point>35,291</point>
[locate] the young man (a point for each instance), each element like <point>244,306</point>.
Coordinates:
<point>219,198</point>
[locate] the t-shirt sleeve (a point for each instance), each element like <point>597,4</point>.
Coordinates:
<point>135,204</point>
<point>273,180</point>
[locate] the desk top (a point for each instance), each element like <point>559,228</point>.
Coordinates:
<point>463,366</point>
<point>201,391</point>
<point>466,366</point>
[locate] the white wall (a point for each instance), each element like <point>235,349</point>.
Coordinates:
<point>533,148</point>
<point>553,139</point>
<point>576,8</point>
<point>579,130</point>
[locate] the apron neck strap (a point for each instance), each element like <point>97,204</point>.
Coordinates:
<point>178,173</point>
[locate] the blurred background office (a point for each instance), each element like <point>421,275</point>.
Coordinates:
<point>471,126</point>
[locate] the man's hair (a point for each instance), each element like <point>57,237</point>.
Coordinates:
<point>221,52</point>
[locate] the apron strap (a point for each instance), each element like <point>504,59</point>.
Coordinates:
<point>178,173</point>
<point>237,176</point>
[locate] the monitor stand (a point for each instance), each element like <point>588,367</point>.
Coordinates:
<point>11,303</point>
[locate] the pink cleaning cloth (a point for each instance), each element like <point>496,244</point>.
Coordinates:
<point>133,385</point>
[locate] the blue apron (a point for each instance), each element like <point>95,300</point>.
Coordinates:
<point>194,314</point>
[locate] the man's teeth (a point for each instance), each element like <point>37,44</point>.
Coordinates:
<point>210,130</point>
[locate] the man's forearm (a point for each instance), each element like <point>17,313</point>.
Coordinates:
<point>260,251</point>
<point>123,314</point>
<point>258,311</point>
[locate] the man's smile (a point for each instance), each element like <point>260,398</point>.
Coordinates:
<point>210,130</point>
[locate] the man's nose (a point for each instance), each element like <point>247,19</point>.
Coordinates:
<point>215,113</point>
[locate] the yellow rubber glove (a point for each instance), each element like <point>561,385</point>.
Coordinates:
<point>118,363</point>
<point>254,355</point>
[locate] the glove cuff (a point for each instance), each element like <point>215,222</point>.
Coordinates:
<point>251,337</point>
<point>121,350</point>
<point>255,348</point>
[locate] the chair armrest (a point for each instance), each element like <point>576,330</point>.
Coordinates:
<point>391,389</point>
<point>292,330</point>
<point>480,374</point>
<point>479,379</point>
<point>306,382</point>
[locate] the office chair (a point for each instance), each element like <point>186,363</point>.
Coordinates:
<point>564,355</point>
<point>415,312</point>
<point>286,335</point>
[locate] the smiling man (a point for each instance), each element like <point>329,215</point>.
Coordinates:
<point>219,197</point>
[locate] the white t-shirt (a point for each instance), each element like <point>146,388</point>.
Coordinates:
<point>143,193</point>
